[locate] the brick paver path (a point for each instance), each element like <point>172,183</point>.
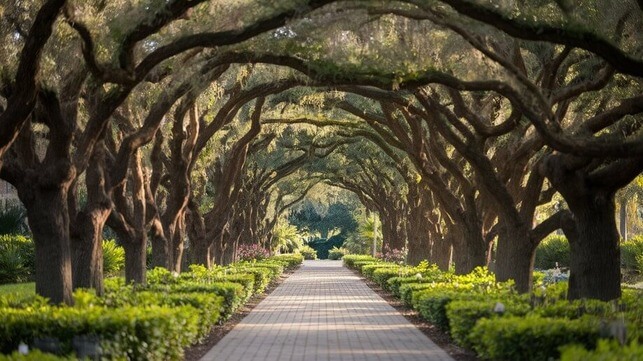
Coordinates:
<point>324,312</point>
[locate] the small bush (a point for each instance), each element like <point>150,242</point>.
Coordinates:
<point>261,276</point>
<point>16,259</point>
<point>630,251</point>
<point>337,253</point>
<point>133,333</point>
<point>382,275</point>
<point>34,355</point>
<point>463,315</point>
<point>530,338</point>
<point>350,259</point>
<point>308,252</point>
<point>292,259</point>
<point>606,350</point>
<point>249,252</point>
<point>113,258</point>
<point>553,249</point>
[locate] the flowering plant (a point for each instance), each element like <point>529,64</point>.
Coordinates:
<point>249,252</point>
<point>393,255</point>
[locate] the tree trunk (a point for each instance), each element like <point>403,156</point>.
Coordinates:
<point>135,259</point>
<point>160,245</point>
<point>468,247</point>
<point>178,244</point>
<point>49,222</point>
<point>87,249</point>
<point>441,253</point>
<point>623,219</point>
<point>595,259</point>
<point>515,255</point>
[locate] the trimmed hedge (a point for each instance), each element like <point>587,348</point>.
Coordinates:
<point>350,259</point>
<point>530,338</point>
<point>293,260</point>
<point>34,355</point>
<point>134,333</point>
<point>606,350</point>
<point>462,315</point>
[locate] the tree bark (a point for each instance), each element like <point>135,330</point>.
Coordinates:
<point>468,247</point>
<point>623,219</point>
<point>135,259</point>
<point>49,223</point>
<point>515,257</point>
<point>87,249</point>
<point>595,260</point>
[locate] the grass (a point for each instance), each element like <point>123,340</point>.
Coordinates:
<point>18,288</point>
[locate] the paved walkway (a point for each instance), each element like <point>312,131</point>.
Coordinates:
<point>324,312</point>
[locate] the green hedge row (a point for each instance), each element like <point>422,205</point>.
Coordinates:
<point>154,322</point>
<point>491,319</point>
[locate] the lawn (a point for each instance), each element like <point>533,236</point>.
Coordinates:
<point>18,288</point>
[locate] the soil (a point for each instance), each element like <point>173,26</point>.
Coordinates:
<point>195,352</point>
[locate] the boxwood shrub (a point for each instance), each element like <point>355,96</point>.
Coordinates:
<point>530,338</point>
<point>293,260</point>
<point>134,333</point>
<point>350,259</point>
<point>462,315</point>
<point>606,350</point>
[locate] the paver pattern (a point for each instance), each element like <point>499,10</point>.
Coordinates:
<point>324,311</point>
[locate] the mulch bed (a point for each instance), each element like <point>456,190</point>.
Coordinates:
<point>195,352</point>
<point>434,333</point>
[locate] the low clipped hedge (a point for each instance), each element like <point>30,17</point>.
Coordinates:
<point>292,260</point>
<point>606,350</point>
<point>261,276</point>
<point>531,338</point>
<point>134,333</point>
<point>34,355</point>
<point>382,275</point>
<point>349,260</point>
<point>462,315</point>
<point>234,294</point>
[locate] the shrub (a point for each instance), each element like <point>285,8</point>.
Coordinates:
<point>630,250</point>
<point>162,276</point>
<point>34,355</point>
<point>149,333</point>
<point>394,255</point>
<point>233,294</point>
<point>368,269</point>
<point>292,259</point>
<point>113,257</point>
<point>337,253</point>
<point>12,220</point>
<point>261,275</point>
<point>308,252</point>
<point>249,252</point>
<point>462,315</point>
<point>552,249</point>
<point>382,275</point>
<point>530,338</point>
<point>606,350</point>
<point>350,259</point>
<point>16,259</point>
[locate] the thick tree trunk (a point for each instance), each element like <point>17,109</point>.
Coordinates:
<point>468,247</point>
<point>595,259</point>
<point>515,257</point>
<point>87,249</point>
<point>441,253</point>
<point>178,244</point>
<point>623,219</point>
<point>160,246</point>
<point>49,223</point>
<point>135,259</point>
